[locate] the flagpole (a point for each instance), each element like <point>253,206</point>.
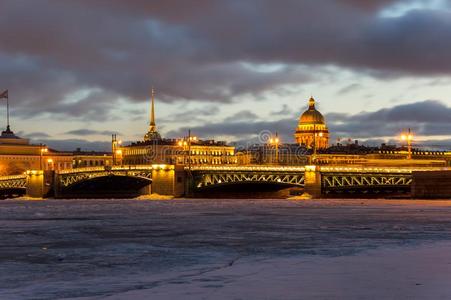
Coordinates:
<point>7,113</point>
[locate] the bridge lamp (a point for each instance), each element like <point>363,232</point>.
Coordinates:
<point>408,137</point>
<point>275,141</point>
<point>41,153</point>
<point>49,162</point>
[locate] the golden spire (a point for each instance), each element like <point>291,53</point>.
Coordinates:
<point>152,111</point>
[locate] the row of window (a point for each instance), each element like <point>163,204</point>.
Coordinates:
<point>145,151</point>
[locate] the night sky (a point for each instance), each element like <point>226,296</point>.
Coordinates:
<point>78,71</point>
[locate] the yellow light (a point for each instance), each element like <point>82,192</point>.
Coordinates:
<point>403,137</point>
<point>118,152</point>
<point>50,160</point>
<point>320,134</point>
<point>311,168</point>
<point>276,140</point>
<point>271,141</point>
<point>119,142</point>
<point>180,143</point>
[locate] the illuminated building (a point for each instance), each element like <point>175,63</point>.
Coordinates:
<point>171,151</point>
<point>18,155</point>
<point>312,128</point>
<point>187,151</point>
<point>84,159</point>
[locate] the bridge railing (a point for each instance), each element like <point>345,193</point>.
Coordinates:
<point>115,168</point>
<point>13,177</point>
<point>248,168</point>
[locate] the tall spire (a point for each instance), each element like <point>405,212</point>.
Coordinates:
<point>152,110</point>
<point>152,134</point>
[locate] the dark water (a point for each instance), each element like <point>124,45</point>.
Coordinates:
<point>66,248</point>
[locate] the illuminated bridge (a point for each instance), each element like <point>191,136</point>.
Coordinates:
<point>328,179</point>
<point>225,175</point>
<point>117,181</point>
<point>123,181</point>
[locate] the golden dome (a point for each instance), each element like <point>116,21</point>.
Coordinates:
<point>311,115</point>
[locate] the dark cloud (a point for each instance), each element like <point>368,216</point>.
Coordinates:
<point>73,144</point>
<point>32,135</point>
<point>244,115</point>
<point>426,118</point>
<point>284,111</point>
<point>349,88</point>
<point>199,50</point>
<point>87,132</point>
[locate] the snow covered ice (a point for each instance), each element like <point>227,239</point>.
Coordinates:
<point>225,249</point>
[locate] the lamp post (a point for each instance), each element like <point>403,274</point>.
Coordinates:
<point>275,141</point>
<point>42,150</point>
<point>408,137</point>
<point>50,163</point>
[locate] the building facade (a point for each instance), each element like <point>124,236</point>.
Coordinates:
<point>154,149</point>
<point>17,155</point>
<point>169,151</point>
<point>312,131</point>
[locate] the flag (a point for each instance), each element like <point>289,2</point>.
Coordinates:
<point>4,95</point>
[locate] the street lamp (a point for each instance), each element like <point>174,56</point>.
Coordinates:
<point>315,134</point>
<point>408,137</point>
<point>275,141</point>
<point>50,162</point>
<point>42,150</point>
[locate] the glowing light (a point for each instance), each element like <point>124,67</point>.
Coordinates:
<point>50,160</point>
<point>310,168</point>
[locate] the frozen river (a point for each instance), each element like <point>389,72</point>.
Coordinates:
<point>208,249</point>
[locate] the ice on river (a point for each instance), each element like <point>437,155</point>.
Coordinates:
<point>225,249</point>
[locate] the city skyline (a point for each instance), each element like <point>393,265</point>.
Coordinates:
<point>75,83</point>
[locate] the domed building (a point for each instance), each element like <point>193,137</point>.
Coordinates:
<point>312,128</point>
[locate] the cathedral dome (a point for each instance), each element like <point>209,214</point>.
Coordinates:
<point>311,115</point>
<point>312,129</point>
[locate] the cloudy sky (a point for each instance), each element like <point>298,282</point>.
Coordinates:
<point>79,70</point>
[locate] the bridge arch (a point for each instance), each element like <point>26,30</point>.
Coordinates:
<point>101,182</point>
<point>106,186</point>
<point>208,180</point>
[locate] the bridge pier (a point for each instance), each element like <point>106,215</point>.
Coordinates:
<point>39,183</point>
<point>168,180</point>
<point>312,181</point>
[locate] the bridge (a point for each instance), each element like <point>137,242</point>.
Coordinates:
<point>123,181</point>
<point>326,179</point>
<point>117,181</point>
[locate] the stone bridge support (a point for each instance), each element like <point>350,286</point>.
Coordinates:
<point>431,184</point>
<point>312,181</point>
<point>39,183</point>
<point>168,180</point>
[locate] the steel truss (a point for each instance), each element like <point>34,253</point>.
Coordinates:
<point>343,180</point>
<point>13,182</point>
<point>216,178</point>
<point>68,179</point>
